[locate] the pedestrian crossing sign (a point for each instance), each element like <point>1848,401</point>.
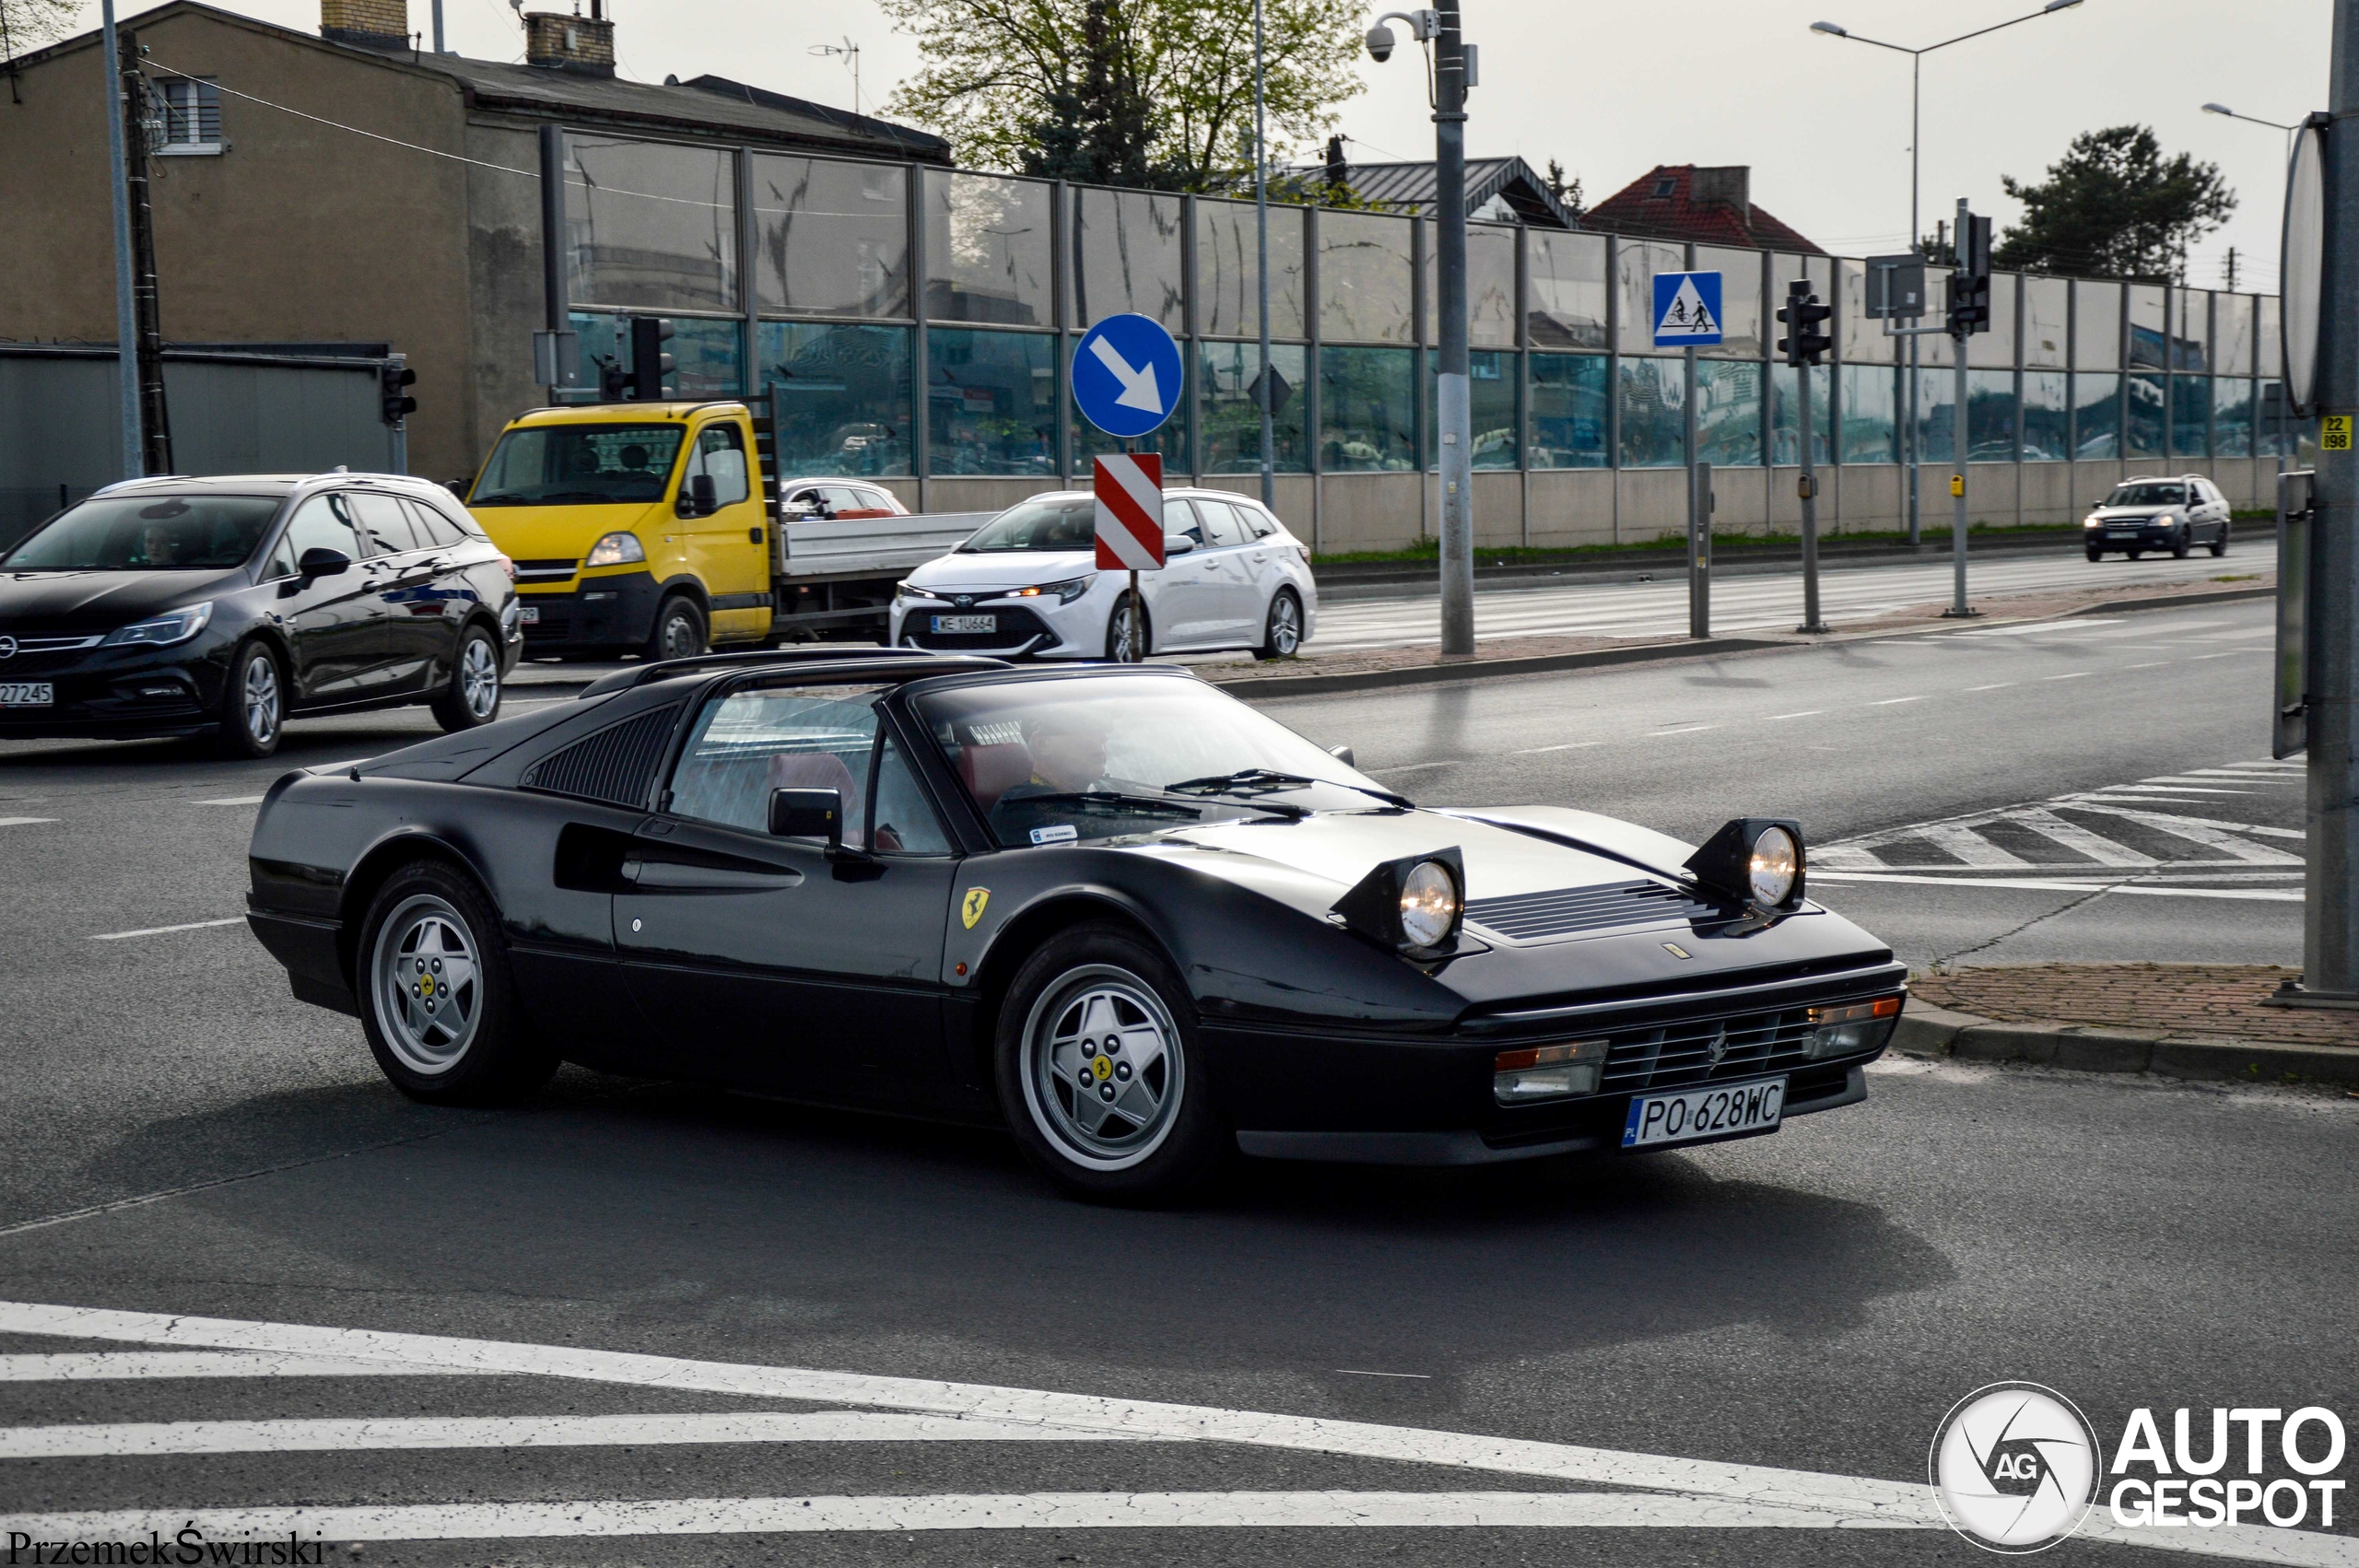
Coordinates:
<point>1687,309</point>
<point>2334,433</point>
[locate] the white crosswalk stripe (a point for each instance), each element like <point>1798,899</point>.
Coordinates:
<point>1626,1491</point>
<point>1739,603</point>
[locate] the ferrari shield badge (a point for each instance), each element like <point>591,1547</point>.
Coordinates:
<point>972,909</point>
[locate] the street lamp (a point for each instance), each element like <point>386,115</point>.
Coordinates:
<point>1452,389</point>
<point>2283,460</point>
<point>1916,100</point>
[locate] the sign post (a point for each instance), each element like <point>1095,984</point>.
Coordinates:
<point>1687,315</point>
<point>1127,379</point>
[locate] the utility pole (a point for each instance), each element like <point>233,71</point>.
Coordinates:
<point>1453,390</point>
<point>2330,936</point>
<point>154,421</point>
<point>126,323</point>
<point>1263,382</point>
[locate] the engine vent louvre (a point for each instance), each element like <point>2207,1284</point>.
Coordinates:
<point>615,765</point>
<point>1569,911</point>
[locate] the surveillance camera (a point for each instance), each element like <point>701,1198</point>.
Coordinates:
<point>1380,42</point>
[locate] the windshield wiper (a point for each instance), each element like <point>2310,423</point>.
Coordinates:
<point>1108,801</point>
<point>1245,779</point>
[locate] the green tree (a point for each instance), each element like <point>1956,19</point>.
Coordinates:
<point>2114,207</point>
<point>1141,92</point>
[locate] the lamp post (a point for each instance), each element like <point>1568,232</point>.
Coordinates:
<point>1915,100</point>
<point>2284,458</point>
<point>126,329</point>
<point>1262,276</point>
<point>1452,388</point>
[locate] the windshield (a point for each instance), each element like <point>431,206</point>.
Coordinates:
<point>1052,522</point>
<point>554,465</point>
<point>2147,495</point>
<point>148,534</point>
<point>1050,762</point>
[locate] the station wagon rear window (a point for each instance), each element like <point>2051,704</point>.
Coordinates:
<point>557,465</point>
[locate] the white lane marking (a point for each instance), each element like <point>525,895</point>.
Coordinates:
<point>2231,653</point>
<point>1805,713</point>
<point>2209,832</point>
<point>2102,851</point>
<point>2036,627</point>
<point>2048,885</point>
<point>2170,787</point>
<point>1567,746</point>
<point>1355,1372</point>
<point>1682,730</point>
<point>2149,664</point>
<point>1993,687</point>
<point>2068,675</point>
<point>74,1366</point>
<point>1893,701</point>
<point>23,821</point>
<point>1006,1511</point>
<point>256,800</point>
<point>159,930</point>
<point>307,1436</point>
<point>1413,767</point>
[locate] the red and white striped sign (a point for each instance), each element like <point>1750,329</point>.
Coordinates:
<point>1129,513</point>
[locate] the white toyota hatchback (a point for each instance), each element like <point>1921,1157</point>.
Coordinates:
<point>1027,583</point>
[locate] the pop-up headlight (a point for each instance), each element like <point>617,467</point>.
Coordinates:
<point>1414,904</point>
<point>1755,860</point>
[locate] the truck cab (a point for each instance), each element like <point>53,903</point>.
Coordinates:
<point>635,527</point>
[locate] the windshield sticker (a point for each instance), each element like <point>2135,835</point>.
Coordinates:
<point>1063,832</point>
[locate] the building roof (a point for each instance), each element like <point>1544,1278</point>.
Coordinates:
<point>1413,188</point>
<point>710,106</point>
<point>1707,206</point>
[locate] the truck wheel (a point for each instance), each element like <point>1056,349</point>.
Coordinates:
<point>679,630</point>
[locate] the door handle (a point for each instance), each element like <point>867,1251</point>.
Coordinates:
<point>672,877</point>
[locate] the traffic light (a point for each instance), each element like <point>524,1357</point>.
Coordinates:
<point>651,368</point>
<point>1970,283</point>
<point>1803,315</point>
<point>394,404</point>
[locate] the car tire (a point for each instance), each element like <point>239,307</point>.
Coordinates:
<point>2220,546</point>
<point>679,630</point>
<point>253,704</point>
<point>1281,627</point>
<point>1117,632</point>
<point>2180,545</point>
<point>474,693</point>
<point>2096,554</point>
<point>2133,555</point>
<point>1146,1133</point>
<point>437,1001</point>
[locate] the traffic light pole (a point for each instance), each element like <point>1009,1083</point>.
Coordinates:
<point>1800,347</point>
<point>1969,314</point>
<point>1809,486</point>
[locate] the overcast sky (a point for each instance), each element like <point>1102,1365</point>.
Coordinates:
<point>1611,90</point>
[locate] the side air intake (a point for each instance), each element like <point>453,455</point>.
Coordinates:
<point>615,765</point>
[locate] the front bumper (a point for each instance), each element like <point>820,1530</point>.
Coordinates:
<point>118,693</point>
<point>601,613</point>
<point>1040,626</point>
<point>1429,1101</point>
<point>2138,536</point>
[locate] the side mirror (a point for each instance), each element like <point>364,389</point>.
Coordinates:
<point>808,814</point>
<point>320,561</point>
<point>1342,754</point>
<point>700,499</point>
<point>459,488</point>
<point>1177,544</point>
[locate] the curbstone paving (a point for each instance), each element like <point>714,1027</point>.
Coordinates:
<point>1935,1032</point>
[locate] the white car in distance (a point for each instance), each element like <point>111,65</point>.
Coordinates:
<point>1026,583</point>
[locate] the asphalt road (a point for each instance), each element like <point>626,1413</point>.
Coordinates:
<point>187,1142</point>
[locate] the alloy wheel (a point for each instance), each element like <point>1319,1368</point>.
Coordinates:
<point>429,985</point>
<point>1285,626</point>
<point>479,678</point>
<point>1104,1073</point>
<point>259,697</point>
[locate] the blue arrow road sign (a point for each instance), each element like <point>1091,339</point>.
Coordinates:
<point>1687,309</point>
<point>1126,376</point>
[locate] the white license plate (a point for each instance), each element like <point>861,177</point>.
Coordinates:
<point>953,623</point>
<point>26,694</point>
<point>1724,1110</point>
<point>530,616</point>
<point>2121,534</point>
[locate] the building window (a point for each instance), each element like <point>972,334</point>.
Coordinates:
<point>840,394</point>
<point>991,403</point>
<point>192,114</point>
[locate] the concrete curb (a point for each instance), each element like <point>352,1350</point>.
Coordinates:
<point>2165,601</point>
<point>1928,1031</point>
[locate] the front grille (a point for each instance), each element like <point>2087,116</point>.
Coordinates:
<point>544,571</point>
<point>1522,916</point>
<point>1671,1055</point>
<point>1015,625</point>
<point>616,764</point>
<point>54,644</point>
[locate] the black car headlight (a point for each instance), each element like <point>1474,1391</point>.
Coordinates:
<point>1851,1027</point>
<point>1414,906</point>
<point>1755,860</point>
<point>163,630</point>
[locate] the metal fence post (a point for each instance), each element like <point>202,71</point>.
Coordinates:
<point>920,410</point>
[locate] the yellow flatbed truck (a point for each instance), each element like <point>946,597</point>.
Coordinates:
<point>662,527</point>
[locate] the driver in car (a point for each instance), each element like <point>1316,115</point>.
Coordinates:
<point>1068,747</point>
<point>159,545</point>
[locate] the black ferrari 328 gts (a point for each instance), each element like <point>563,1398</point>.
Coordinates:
<point>1129,915</point>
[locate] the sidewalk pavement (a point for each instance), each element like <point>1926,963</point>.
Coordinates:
<point>2178,1020</point>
